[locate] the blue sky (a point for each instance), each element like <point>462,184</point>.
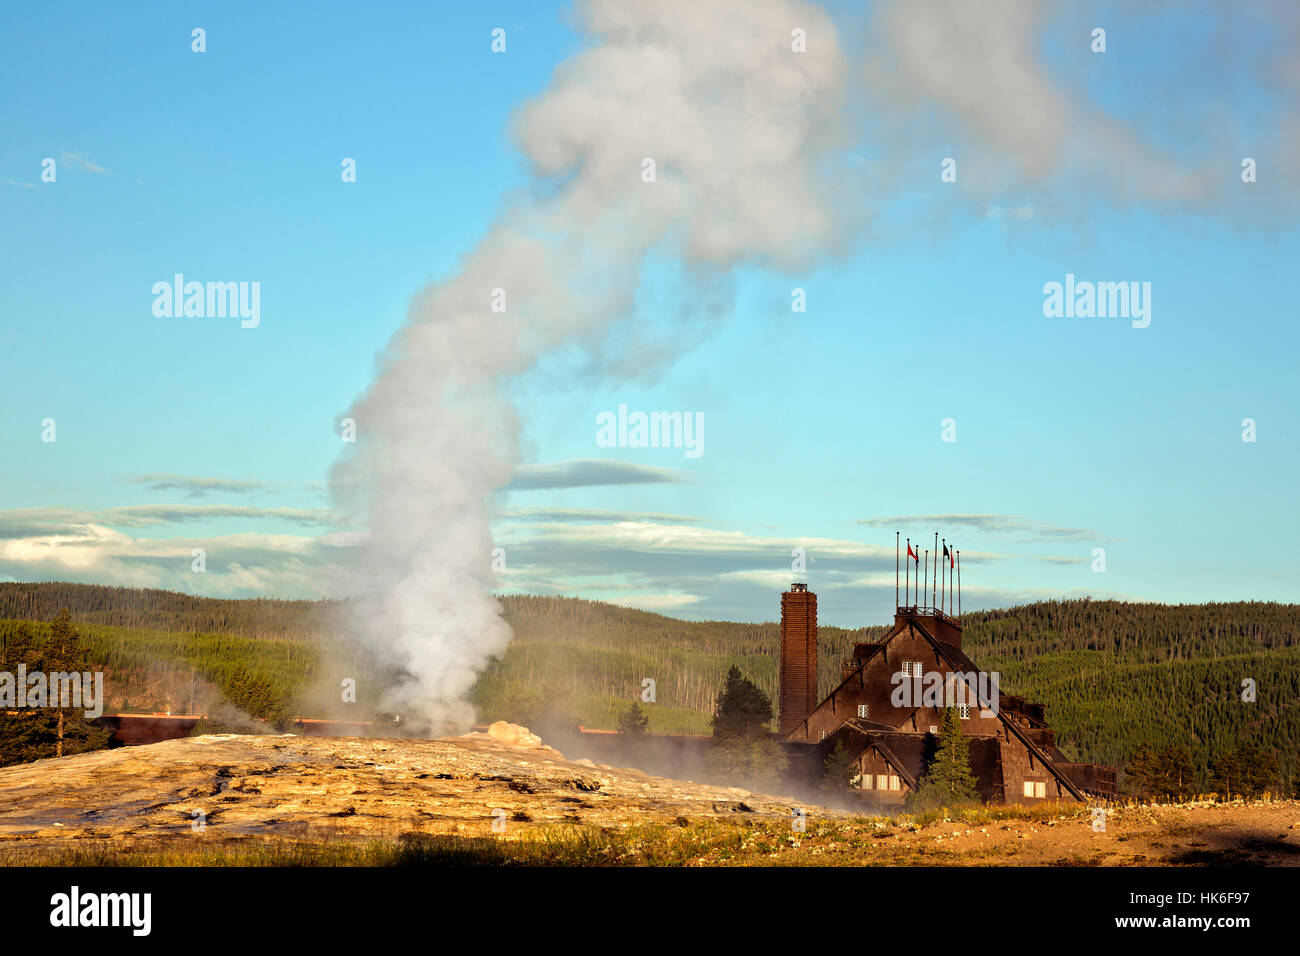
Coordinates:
<point>822,428</point>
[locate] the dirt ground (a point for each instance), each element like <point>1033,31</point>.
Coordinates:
<point>1256,834</point>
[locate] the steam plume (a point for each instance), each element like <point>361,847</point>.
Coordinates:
<point>738,125</point>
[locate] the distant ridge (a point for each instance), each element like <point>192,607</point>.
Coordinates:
<point>155,609</point>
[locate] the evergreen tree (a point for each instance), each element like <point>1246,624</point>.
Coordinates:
<point>1247,771</point>
<point>634,722</point>
<point>257,696</point>
<point>1140,774</point>
<point>1175,773</point>
<point>1259,770</point>
<point>948,781</point>
<point>1166,774</point>
<point>840,770</point>
<point>744,712</point>
<point>31,733</point>
<point>1225,774</point>
<point>743,748</point>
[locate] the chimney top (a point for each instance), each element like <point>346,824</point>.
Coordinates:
<point>798,587</point>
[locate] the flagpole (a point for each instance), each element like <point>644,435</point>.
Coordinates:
<point>896,569</point>
<point>959,585</point>
<point>934,582</point>
<point>907,583</point>
<point>952,561</point>
<point>927,567</point>
<point>944,576</point>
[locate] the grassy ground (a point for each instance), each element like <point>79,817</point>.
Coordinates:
<point>685,843</point>
<point>1199,833</point>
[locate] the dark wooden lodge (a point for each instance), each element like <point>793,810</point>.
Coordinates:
<point>1013,752</point>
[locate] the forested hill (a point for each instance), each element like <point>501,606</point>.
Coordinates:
<point>1114,675</point>
<point>156,610</point>
<point>1149,632</point>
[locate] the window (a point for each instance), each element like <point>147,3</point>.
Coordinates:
<point>868,781</point>
<point>823,736</point>
<point>1035,788</point>
<point>893,781</point>
<point>963,711</point>
<point>862,710</point>
<point>934,728</point>
<point>912,669</point>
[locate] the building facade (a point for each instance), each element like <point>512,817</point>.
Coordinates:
<point>889,706</point>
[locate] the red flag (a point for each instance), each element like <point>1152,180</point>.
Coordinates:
<point>912,554</point>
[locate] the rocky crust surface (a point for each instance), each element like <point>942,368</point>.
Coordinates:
<point>327,788</point>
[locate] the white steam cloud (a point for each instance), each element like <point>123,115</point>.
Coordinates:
<point>739,126</point>
<point>976,81</point>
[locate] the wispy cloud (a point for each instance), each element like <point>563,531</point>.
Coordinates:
<point>591,472</point>
<point>136,515</point>
<point>39,522</point>
<point>23,522</point>
<point>986,523</point>
<point>1013,213</point>
<point>196,486</point>
<point>594,515</point>
<point>81,163</point>
<point>657,602</point>
<point>19,183</point>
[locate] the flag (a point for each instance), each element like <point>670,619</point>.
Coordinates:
<point>912,554</point>
<point>948,554</point>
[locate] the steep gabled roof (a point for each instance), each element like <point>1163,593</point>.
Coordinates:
<point>959,661</point>
<point>871,734</point>
<point>876,648</point>
<point>892,759</point>
<point>859,663</point>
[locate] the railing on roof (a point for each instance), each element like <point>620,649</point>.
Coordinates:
<point>923,610</point>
